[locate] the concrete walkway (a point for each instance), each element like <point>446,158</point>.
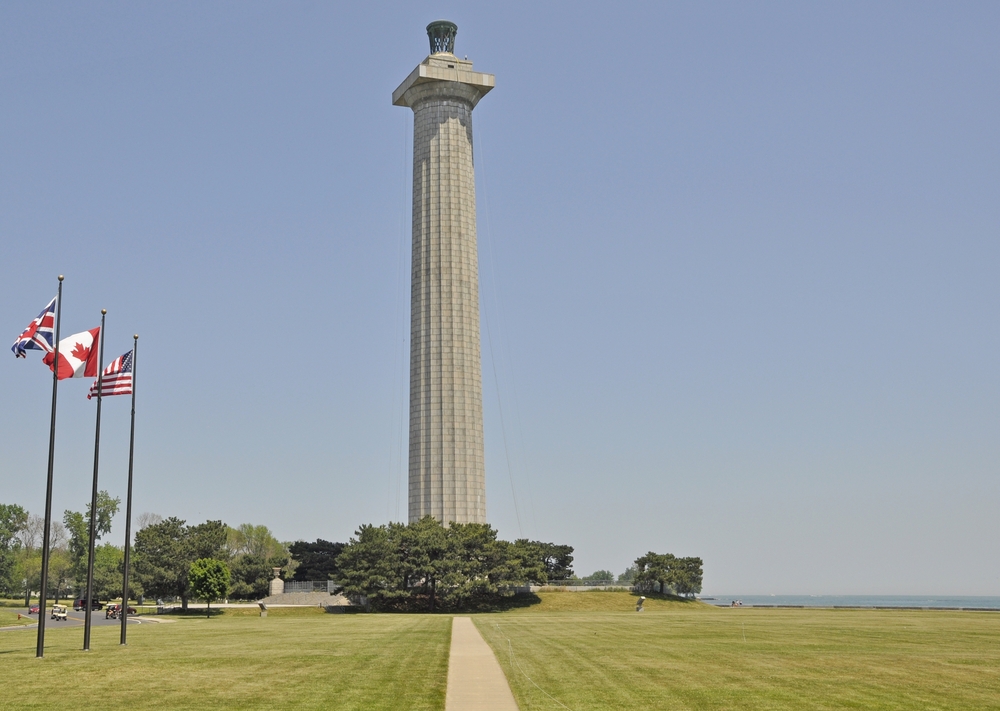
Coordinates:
<point>475,680</point>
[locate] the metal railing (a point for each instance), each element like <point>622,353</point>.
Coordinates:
<point>311,586</point>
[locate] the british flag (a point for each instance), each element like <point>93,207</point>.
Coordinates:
<point>117,378</point>
<point>39,333</point>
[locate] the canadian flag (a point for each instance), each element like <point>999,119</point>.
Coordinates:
<point>77,355</point>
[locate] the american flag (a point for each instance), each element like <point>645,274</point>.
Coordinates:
<point>38,334</point>
<point>117,378</point>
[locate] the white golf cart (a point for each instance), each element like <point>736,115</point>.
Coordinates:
<point>59,613</point>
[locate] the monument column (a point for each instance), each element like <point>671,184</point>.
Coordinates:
<point>447,476</point>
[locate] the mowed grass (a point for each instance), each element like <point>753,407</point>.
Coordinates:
<point>9,610</point>
<point>300,659</point>
<point>8,617</point>
<point>604,655</point>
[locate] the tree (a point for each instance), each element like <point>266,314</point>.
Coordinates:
<point>425,564</point>
<point>681,575</point>
<point>250,577</point>
<point>13,519</point>
<point>601,577</point>
<point>556,560</point>
<point>654,569</point>
<point>164,551</point>
<point>109,560</point>
<point>146,519</point>
<point>209,580</point>
<point>253,553</point>
<point>26,573</point>
<point>628,576</point>
<point>316,561</point>
<point>78,526</point>
<point>370,566</point>
<point>247,539</point>
<point>687,576</point>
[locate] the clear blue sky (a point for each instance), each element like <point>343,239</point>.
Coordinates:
<point>739,270</point>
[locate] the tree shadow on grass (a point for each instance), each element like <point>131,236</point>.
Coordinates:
<point>194,612</point>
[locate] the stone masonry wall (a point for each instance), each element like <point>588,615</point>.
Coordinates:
<point>446,472</point>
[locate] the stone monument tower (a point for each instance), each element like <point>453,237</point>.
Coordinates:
<point>447,473</point>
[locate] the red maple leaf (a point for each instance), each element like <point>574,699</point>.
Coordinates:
<point>79,352</point>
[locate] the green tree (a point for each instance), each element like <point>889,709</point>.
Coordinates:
<point>628,577</point>
<point>209,580</point>
<point>163,553</point>
<point>687,576</point>
<point>654,572</point>
<point>427,565</point>
<point>425,556</point>
<point>486,568</point>
<point>682,576</point>
<point>109,560</point>
<point>253,553</point>
<point>78,526</point>
<point>600,577</point>
<point>556,560</point>
<point>371,567</point>
<point>316,561</point>
<point>247,539</point>
<point>13,519</point>
<point>251,576</point>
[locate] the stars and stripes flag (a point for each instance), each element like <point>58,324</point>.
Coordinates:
<point>117,378</point>
<point>77,355</point>
<point>39,333</point>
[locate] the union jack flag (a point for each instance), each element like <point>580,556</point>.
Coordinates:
<point>117,378</point>
<point>39,333</point>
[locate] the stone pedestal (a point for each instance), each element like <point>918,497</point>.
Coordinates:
<point>447,476</point>
<point>277,584</point>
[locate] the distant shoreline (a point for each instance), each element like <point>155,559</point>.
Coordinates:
<point>902,602</point>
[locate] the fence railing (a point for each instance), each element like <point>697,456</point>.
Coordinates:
<point>310,586</point>
<point>585,584</point>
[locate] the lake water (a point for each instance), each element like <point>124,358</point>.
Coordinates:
<point>959,601</point>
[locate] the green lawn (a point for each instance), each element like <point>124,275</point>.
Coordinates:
<point>8,617</point>
<point>299,659</point>
<point>582,650</point>
<point>692,656</point>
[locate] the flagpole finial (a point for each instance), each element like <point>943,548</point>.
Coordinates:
<point>135,337</point>
<point>104,312</point>
<point>60,277</point>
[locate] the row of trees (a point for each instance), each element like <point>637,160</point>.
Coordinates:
<point>422,565</point>
<point>21,541</point>
<point>166,550</point>
<point>425,565</point>
<point>163,554</point>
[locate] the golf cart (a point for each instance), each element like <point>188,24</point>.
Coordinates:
<point>59,613</point>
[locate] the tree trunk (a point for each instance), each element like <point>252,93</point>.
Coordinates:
<point>208,610</point>
<point>433,590</point>
<point>184,603</point>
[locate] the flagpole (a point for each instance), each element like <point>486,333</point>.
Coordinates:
<point>128,505</point>
<point>93,497</point>
<point>40,645</point>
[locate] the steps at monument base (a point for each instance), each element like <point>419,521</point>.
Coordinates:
<point>307,598</point>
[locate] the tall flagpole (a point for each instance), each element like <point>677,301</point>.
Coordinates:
<point>128,506</point>
<point>93,498</point>
<point>40,645</point>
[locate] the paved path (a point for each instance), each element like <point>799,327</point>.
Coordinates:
<point>475,680</point>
